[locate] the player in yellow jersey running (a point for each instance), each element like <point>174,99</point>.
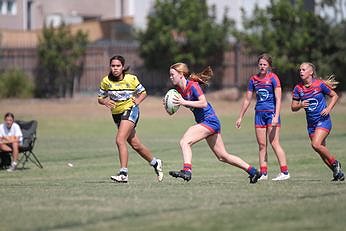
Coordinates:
<point>122,93</point>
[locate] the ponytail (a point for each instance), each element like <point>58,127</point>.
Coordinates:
<point>202,77</point>
<point>330,81</point>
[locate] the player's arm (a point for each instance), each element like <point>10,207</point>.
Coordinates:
<point>244,107</point>
<point>278,96</point>
<point>296,105</point>
<point>140,97</point>
<point>103,98</point>
<point>333,99</point>
<point>200,103</point>
<point>106,102</point>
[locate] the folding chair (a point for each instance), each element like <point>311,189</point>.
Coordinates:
<point>29,139</point>
<point>5,160</point>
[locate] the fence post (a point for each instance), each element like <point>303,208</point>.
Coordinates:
<point>236,63</point>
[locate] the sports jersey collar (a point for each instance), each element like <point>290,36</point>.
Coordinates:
<point>313,82</point>
<point>258,78</point>
<point>187,87</point>
<point>112,78</point>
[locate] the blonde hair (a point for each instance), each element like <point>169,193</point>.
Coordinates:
<point>330,80</point>
<point>202,77</point>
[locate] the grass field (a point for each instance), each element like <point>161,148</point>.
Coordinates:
<point>219,197</point>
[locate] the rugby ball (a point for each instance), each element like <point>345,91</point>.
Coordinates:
<point>170,107</point>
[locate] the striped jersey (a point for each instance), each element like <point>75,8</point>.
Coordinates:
<point>191,93</point>
<point>265,91</point>
<point>315,94</point>
<point>121,92</point>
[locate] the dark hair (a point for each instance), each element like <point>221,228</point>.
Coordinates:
<point>122,61</point>
<point>9,114</point>
<point>266,57</point>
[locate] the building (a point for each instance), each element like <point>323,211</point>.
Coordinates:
<point>29,15</point>
<point>21,21</point>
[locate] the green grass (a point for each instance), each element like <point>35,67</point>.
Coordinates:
<point>218,197</point>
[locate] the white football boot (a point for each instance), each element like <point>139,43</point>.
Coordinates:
<point>122,177</point>
<point>281,176</point>
<point>158,168</point>
<point>263,177</point>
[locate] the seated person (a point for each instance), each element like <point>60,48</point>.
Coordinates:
<point>11,138</point>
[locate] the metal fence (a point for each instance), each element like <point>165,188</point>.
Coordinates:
<point>234,72</point>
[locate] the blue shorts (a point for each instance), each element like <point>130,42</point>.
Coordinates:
<point>263,119</point>
<point>131,114</point>
<point>325,123</point>
<point>212,123</point>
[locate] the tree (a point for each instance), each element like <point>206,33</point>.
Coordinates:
<point>337,57</point>
<point>183,31</point>
<point>291,35</point>
<point>337,6</point>
<point>60,61</point>
<point>15,84</point>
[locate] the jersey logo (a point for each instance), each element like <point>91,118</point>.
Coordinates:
<point>313,103</point>
<point>263,94</point>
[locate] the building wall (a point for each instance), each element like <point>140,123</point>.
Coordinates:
<point>9,21</point>
<point>69,11</point>
<point>97,30</point>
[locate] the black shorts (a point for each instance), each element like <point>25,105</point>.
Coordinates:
<point>131,114</point>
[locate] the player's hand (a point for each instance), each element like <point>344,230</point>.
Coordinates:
<point>179,100</point>
<point>275,121</point>
<point>135,101</point>
<point>304,104</point>
<point>163,101</point>
<point>110,104</point>
<point>325,112</point>
<point>238,123</point>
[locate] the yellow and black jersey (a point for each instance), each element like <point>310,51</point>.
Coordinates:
<point>121,92</point>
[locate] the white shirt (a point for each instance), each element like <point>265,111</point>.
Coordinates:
<point>13,131</point>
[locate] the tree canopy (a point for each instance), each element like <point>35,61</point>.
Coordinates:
<point>60,61</point>
<point>293,34</point>
<point>184,31</point>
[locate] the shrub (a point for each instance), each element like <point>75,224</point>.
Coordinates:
<point>15,83</point>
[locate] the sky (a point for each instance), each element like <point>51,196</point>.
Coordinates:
<point>140,9</point>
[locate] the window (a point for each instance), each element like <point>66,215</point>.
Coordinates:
<point>11,8</point>
<point>8,7</point>
<point>2,8</point>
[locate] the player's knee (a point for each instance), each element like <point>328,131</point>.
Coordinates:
<point>120,141</point>
<point>275,144</point>
<point>220,156</point>
<point>135,145</point>
<point>262,146</point>
<point>185,142</point>
<point>316,146</point>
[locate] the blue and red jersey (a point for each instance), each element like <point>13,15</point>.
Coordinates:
<point>191,93</point>
<point>265,91</point>
<point>315,94</point>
